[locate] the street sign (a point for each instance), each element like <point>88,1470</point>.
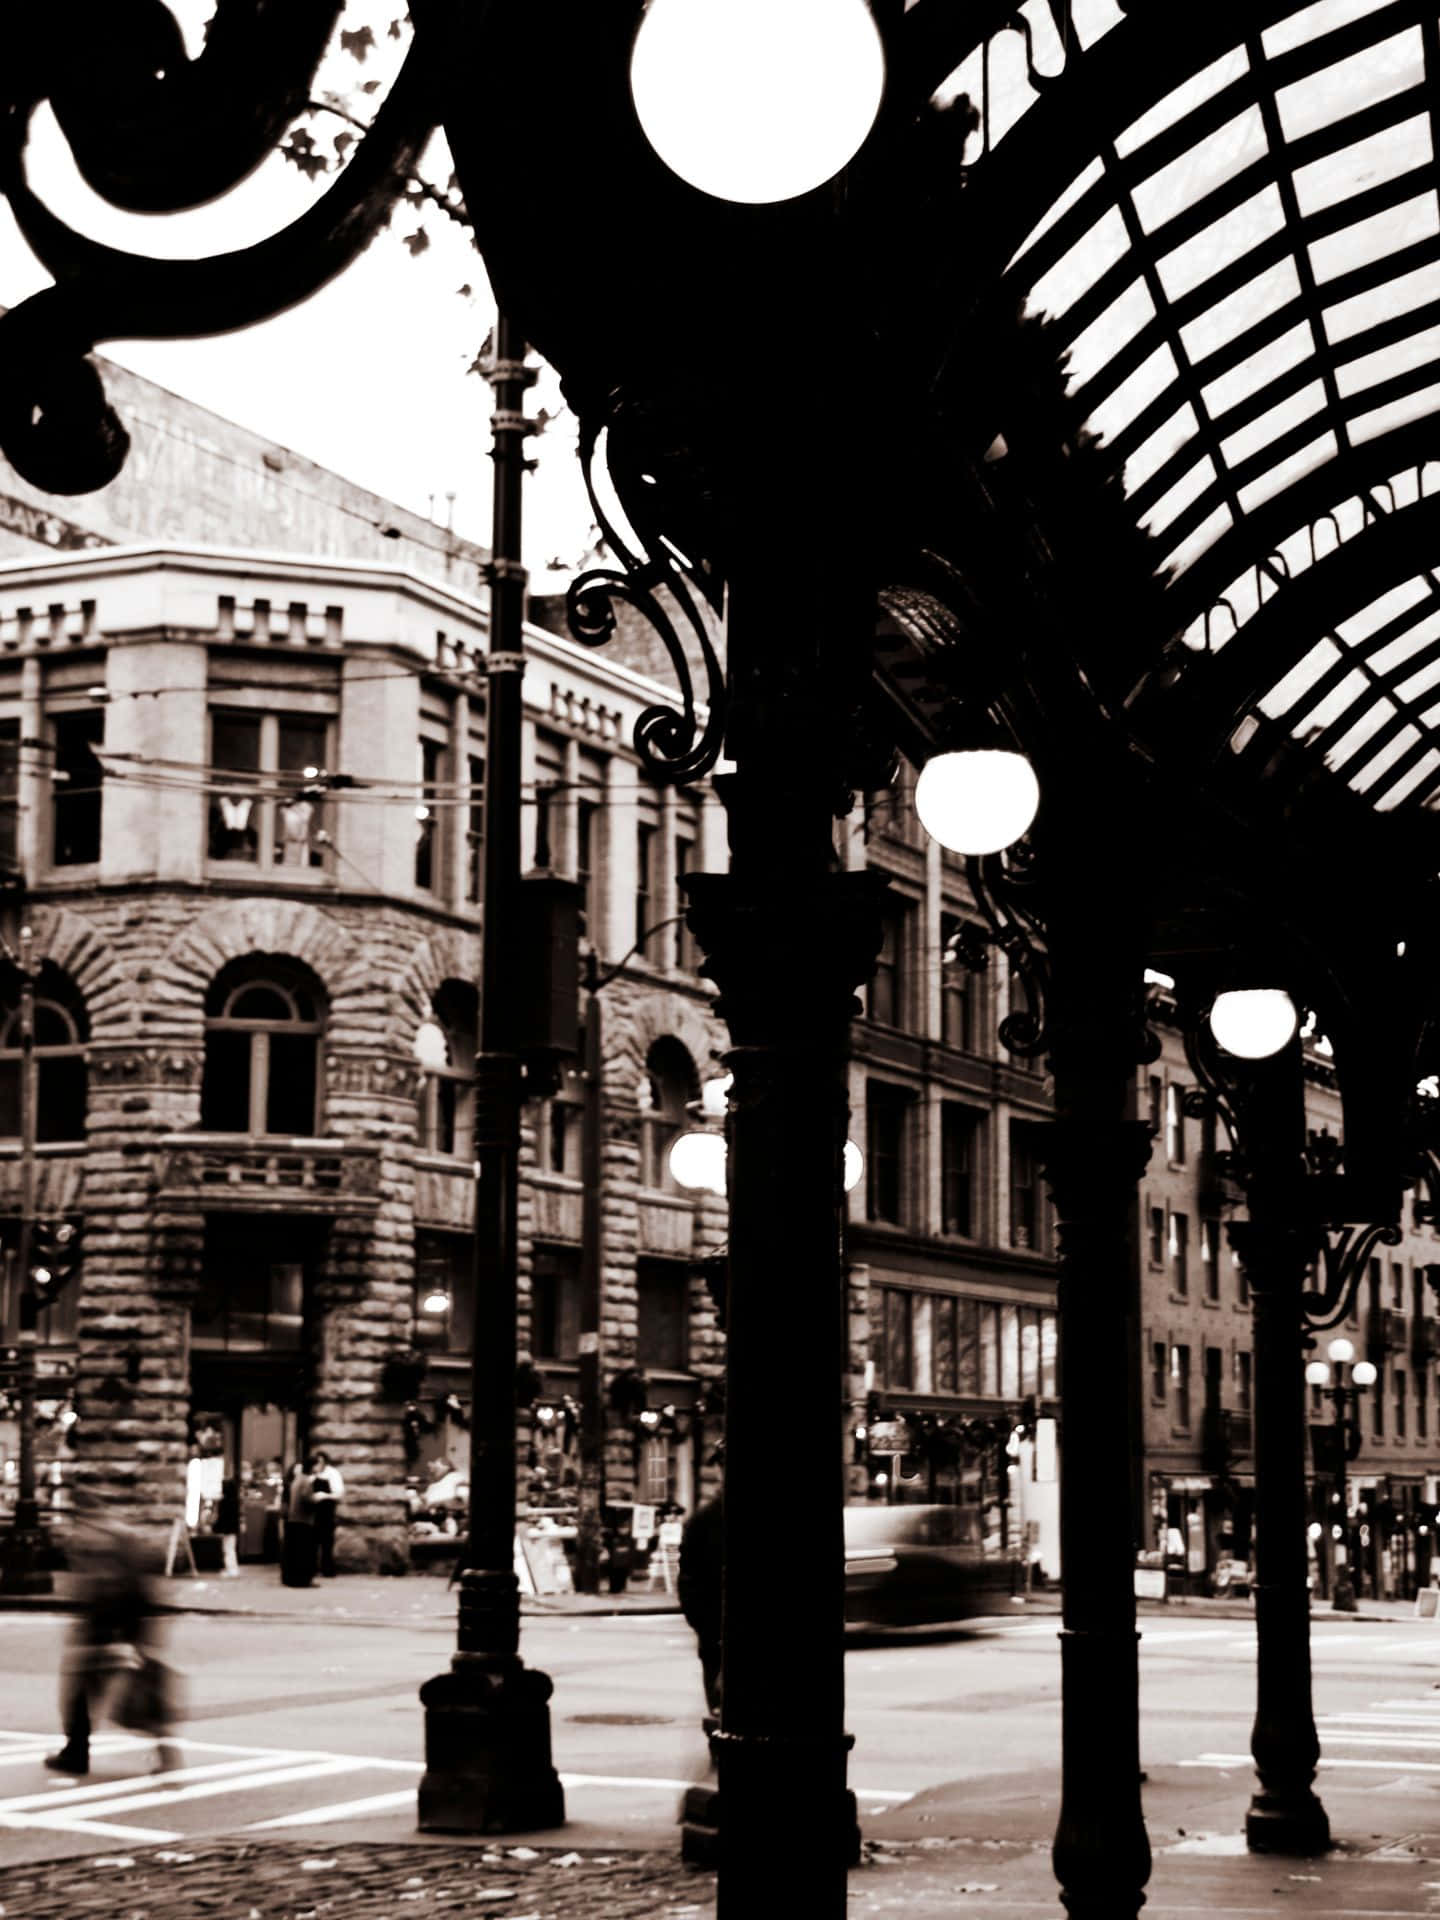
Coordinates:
<point>889,1436</point>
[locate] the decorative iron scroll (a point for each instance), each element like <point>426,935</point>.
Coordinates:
<point>156,132</point>
<point>676,747</point>
<point>998,885</point>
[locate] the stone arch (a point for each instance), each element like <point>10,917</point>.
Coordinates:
<point>444,953</point>
<point>71,944</point>
<point>672,1016</point>
<point>232,930</point>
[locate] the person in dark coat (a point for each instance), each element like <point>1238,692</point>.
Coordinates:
<point>111,1658</point>
<point>297,1556</point>
<point>702,1558</point>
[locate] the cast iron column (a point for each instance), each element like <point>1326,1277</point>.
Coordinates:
<point>787,945</point>
<point>1285,1815</point>
<point>487,1721</point>
<point>1093,1158</point>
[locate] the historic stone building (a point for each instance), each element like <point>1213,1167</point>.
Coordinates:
<point>247,817</point>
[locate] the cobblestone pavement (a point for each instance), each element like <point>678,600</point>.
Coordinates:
<point>285,1880</point>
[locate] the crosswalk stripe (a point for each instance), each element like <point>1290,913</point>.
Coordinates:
<point>205,1789</point>
<point>107,1830</point>
<point>1383,1766</point>
<point>76,1795</point>
<point>1148,1639</point>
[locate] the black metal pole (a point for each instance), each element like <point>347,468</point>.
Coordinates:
<point>24,1566</point>
<point>1342,1598</point>
<point>1285,1815</point>
<point>591,1511</point>
<point>487,1721</point>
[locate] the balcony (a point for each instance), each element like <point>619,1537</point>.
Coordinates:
<point>226,1173</point>
<point>666,1225</point>
<point>1225,1435</point>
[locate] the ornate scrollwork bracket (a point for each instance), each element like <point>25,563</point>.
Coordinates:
<point>667,590</point>
<point>1001,885</point>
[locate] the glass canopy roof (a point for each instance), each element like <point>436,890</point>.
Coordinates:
<point>1233,218</point>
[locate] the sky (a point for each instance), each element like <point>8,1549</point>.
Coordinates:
<point>370,376</point>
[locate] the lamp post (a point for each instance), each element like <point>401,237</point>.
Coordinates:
<point>1342,1394</point>
<point>487,1721</point>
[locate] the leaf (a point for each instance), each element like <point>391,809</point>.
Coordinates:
<point>397,29</point>
<point>417,242</point>
<point>357,43</point>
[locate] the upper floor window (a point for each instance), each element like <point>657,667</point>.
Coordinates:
<point>430,817</point>
<point>587,835</point>
<point>475,829</point>
<point>958,988</point>
<point>1180,1253</point>
<point>75,806</point>
<point>647,852</point>
<point>263,1021</point>
<point>445,1050</point>
<point>1175,1124</point>
<point>885,1002</point>
<point>687,954</point>
<point>662,1312</point>
<point>1029,1205</point>
<point>887,1131</point>
<point>9,795</point>
<point>61,1031</point>
<point>265,812</point>
<point>562,1124</point>
<point>959,1133</point>
<point>668,1085</point>
<point>444,1292</point>
<point>555,1303</point>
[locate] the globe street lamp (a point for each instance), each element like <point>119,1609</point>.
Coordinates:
<point>1253,1023</point>
<point>1345,1443</point>
<point>977,801</point>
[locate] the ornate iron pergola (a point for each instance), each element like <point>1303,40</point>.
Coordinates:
<point>1093,407</point>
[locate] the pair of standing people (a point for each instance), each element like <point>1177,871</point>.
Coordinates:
<point>311,1510</point>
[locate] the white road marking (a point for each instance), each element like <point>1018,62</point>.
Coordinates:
<point>205,1789</point>
<point>75,1795</point>
<point>1148,1639</point>
<point>1387,1766</point>
<point>341,1810</point>
<point>59,1823</point>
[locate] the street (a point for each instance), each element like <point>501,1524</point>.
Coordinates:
<point>293,1729</point>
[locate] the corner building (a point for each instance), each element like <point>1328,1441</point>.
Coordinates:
<point>247,814</point>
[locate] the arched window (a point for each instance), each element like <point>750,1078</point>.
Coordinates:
<point>445,1049</point>
<point>667,1086</point>
<point>61,1031</point>
<point>263,1021</point>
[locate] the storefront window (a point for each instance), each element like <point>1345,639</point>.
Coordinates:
<point>922,1343</point>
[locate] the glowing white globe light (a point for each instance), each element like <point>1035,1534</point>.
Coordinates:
<point>977,802</point>
<point>1317,1373</point>
<point>757,100</point>
<point>1254,1022</point>
<point>715,1097</point>
<point>437,1301</point>
<point>1363,1374</point>
<point>697,1162</point>
<point>1341,1350</point>
<point>854,1166</point>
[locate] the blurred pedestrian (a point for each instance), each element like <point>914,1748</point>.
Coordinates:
<point>111,1661</point>
<point>328,1489</point>
<point>297,1554</point>
<point>702,1560</point>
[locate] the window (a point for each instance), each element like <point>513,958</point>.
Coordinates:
<point>887,1123</point>
<point>990,1350</point>
<point>666,1087</point>
<point>1157,1236</point>
<point>1242,1279</point>
<point>75,807</point>
<point>686,954</point>
<point>1180,1373</point>
<point>662,1315</point>
<point>897,1338</point>
<point>647,839</point>
<point>444,1292</point>
<point>1157,1105</point>
<point>885,1002</point>
<point>268,811</point>
<point>1422,1404</point>
<point>1214,1361</point>
<point>429,837</point>
<point>1029,1210</point>
<point>959,1129</point>
<point>942,1315</point>
<point>1244,1371</point>
<point>957,991</point>
<point>475,830</point>
<point>61,1031</point>
<point>1400,1409</point>
<point>562,1119</point>
<point>1397,1286</point>
<point>251,1294</point>
<point>1210,1257</point>
<point>262,1043</point>
<point>587,817</point>
<point>555,1303</point>
<point>1175,1125</point>
<point>1376,1397</point>
<point>1180,1253</point>
<point>445,1049</point>
<point>9,795</point>
<point>1159,1370</point>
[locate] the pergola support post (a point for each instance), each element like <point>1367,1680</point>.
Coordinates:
<point>1285,1814</point>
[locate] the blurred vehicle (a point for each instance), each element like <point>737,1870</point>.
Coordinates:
<point>917,1565</point>
<point>1231,1577</point>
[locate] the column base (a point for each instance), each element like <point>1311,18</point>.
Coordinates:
<point>1293,1823</point>
<point>789,1812</point>
<point>24,1561</point>
<point>487,1749</point>
<point>1342,1600</point>
<point>700,1821</point>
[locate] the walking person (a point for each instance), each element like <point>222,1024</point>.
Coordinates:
<point>698,1588</point>
<point>111,1659</point>
<point>328,1488</point>
<point>297,1553</point>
